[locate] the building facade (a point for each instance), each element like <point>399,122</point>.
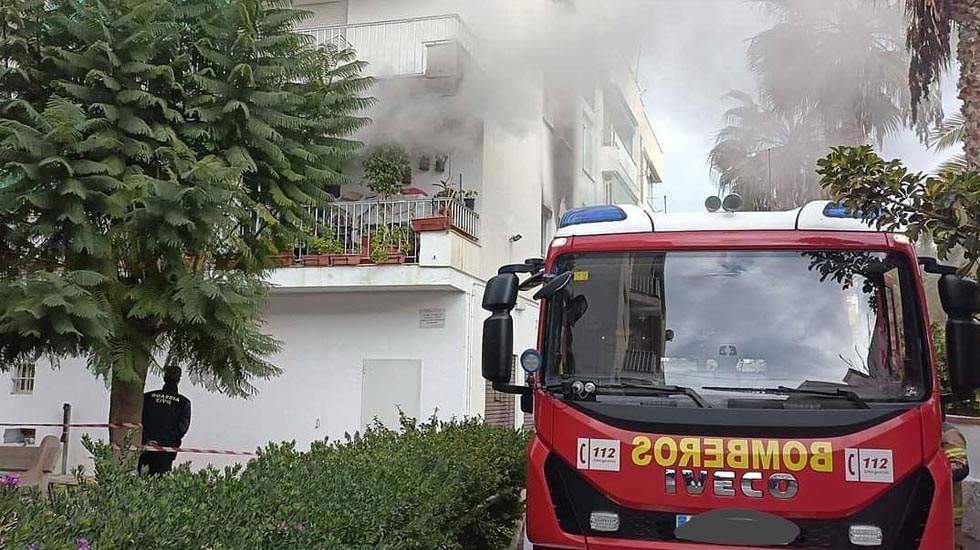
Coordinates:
<point>499,149</point>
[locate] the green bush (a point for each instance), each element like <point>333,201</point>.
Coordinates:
<point>432,485</point>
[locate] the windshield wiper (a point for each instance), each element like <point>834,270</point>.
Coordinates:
<point>643,389</point>
<point>783,390</point>
<point>633,389</point>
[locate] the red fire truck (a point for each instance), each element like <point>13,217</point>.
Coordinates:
<point>733,380</point>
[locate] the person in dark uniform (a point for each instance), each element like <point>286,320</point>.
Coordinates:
<point>166,418</point>
<point>954,446</point>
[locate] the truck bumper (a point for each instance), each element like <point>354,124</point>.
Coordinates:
<point>544,532</point>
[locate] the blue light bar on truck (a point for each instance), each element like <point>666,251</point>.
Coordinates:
<point>838,210</point>
<point>592,214</point>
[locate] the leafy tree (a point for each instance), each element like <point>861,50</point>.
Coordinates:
<point>929,37</point>
<point>154,156</point>
<point>829,73</point>
<point>945,207</point>
<point>385,170</point>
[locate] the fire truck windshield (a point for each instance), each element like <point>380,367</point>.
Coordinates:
<point>723,323</point>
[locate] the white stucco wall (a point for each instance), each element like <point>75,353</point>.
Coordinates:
<point>512,170</point>
<point>326,337</point>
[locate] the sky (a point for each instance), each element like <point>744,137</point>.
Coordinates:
<point>692,54</point>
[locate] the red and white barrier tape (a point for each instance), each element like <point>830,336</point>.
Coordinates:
<point>148,447</point>
<point>160,448</point>
<point>72,425</point>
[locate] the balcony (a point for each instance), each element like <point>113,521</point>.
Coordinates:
<point>358,228</point>
<point>399,47</point>
<point>618,165</point>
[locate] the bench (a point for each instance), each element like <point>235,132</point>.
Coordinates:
<point>32,465</point>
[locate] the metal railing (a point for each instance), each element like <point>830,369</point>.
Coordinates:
<point>645,284</point>
<point>355,223</point>
<point>395,47</point>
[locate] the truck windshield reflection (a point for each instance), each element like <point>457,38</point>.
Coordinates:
<point>740,329</point>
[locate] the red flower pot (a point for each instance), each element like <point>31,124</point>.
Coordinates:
<point>345,259</point>
<point>435,223</point>
<point>316,260</point>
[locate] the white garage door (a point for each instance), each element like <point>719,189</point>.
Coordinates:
<point>388,385</point>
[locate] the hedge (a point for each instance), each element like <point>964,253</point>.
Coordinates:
<point>431,485</point>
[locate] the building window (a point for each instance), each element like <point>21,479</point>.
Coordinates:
<point>23,378</point>
<point>588,148</point>
<point>19,436</point>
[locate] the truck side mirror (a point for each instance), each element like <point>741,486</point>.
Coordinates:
<point>499,299</point>
<point>961,301</point>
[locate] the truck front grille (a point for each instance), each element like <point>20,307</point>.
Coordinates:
<point>901,513</point>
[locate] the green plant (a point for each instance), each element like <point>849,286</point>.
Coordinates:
<point>390,238</point>
<point>447,190</point>
<point>326,244</point>
<point>385,170</point>
<point>470,193</point>
<point>945,207</point>
<point>447,485</point>
<point>155,157</point>
<point>379,252</point>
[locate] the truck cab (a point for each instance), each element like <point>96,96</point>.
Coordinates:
<point>733,380</point>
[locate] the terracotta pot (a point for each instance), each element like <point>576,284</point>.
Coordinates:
<point>393,258</point>
<point>435,223</point>
<point>285,260</point>
<point>345,259</point>
<point>316,260</point>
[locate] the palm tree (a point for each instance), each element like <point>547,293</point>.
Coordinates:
<point>930,25</point>
<point>766,156</point>
<point>831,72</point>
<point>844,60</point>
<point>950,135</point>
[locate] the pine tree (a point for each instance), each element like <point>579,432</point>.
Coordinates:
<point>154,156</point>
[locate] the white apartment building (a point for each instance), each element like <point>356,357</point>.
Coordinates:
<point>362,341</point>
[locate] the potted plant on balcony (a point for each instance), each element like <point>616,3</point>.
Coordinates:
<point>469,198</point>
<point>390,245</point>
<point>387,169</point>
<point>286,258</point>
<point>325,250</point>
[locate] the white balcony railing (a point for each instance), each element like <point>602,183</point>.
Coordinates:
<point>625,158</point>
<point>395,47</point>
<point>354,223</point>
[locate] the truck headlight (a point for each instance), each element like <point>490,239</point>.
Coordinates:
<point>604,521</point>
<point>865,535</point>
